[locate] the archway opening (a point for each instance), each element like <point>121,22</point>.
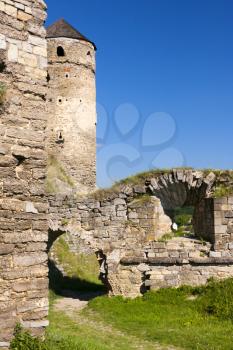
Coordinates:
<point>182,221</point>
<point>188,208</point>
<point>72,270</point>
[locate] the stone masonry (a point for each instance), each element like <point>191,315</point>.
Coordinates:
<point>125,227</point>
<point>23,205</point>
<point>72,106</point>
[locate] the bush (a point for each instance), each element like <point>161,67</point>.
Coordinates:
<point>23,340</point>
<point>183,219</point>
<point>216,299</point>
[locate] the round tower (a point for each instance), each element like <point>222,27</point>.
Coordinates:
<point>72,109</point>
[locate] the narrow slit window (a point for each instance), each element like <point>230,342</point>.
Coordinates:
<point>60,138</point>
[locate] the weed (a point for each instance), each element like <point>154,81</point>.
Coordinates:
<point>64,222</point>
<point>2,92</point>
<point>23,340</point>
<point>223,191</point>
<point>166,237</point>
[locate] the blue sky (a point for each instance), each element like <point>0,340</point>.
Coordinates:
<point>164,81</point>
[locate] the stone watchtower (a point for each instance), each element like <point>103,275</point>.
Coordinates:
<point>72,109</point>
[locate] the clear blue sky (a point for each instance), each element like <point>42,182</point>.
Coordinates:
<point>164,81</point>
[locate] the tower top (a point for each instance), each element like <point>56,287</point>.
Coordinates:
<point>62,29</point>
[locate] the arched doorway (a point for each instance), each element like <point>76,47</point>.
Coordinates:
<point>71,268</point>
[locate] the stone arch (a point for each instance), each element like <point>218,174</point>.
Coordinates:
<point>57,230</point>
<point>126,222</point>
<point>179,188</point>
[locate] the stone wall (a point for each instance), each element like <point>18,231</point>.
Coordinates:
<point>123,225</point>
<point>72,111</point>
<point>23,205</point>
<point>126,226</point>
<point>203,219</point>
<point>135,276</point>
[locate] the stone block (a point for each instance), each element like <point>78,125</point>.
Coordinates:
<point>19,6</point>
<point>29,259</point>
<point>229,214</point>
<point>27,47</point>
<point>213,254</point>
<point>220,229</point>
<point>27,59</point>
<point>133,215</point>
<point>119,201</point>
<point>35,324</point>
<point>13,53</point>
<point>2,42</point>
<point>6,248</point>
<point>23,16</point>
<point>37,41</point>
<point>11,10</point>
<point>2,6</point>
<point>222,200</point>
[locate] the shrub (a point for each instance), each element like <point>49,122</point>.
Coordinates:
<point>23,340</point>
<point>183,219</point>
<point>216,299</point>
<point>222,191</point>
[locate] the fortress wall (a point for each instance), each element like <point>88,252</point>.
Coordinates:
<point>72,106</point>
<point>23,205</point>
<point>126,228</point>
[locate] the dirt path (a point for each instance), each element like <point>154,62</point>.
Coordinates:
<point>73,303</point>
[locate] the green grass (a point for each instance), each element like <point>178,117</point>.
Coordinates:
<point>65,334</point>
<point>169,317</point>
<point>84,334</point>
<point>223,191</point>
<point>166,317</point>
<point>82,271</point>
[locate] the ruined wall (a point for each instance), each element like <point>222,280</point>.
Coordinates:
<point>133,277</point>
<point>126,225</point>
<point>203,219</point>
<point>23,205</point>
<point>72,107</point>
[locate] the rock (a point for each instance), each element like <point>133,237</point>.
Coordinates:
<point>143,268</point>
<point>30,208</point>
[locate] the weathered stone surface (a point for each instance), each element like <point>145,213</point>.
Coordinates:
<point>23,254</point>
<point>121,226</point>
<point>72,106</point>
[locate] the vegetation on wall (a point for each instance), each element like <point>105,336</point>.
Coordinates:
<point>55,171</point>
<point>223,184</point>
<point>223,191</point>
<point>2,93</point>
